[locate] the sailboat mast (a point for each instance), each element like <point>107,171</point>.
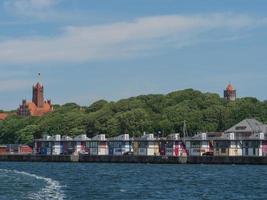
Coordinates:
<point>184,131</point>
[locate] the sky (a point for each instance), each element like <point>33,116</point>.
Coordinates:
<point>91,50</point>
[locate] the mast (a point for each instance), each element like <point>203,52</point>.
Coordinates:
<point>185,134</point>
<point>39,77</point>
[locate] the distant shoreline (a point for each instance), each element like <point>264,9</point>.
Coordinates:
<point>246,160</point>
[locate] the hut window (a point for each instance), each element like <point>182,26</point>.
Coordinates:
<point>195,144</point>
<point>240,128</point>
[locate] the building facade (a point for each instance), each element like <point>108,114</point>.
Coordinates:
<point>199,145</point>
<point>57,145</point>
<point>3,116</point>
<point>246,129</point>
<point>18,149</point>
<point>146,145</point>
<point>246,138</point>
<point>38,106</point>
<point>98,145</point>
<point>230,93</point>
<point>120,145</point>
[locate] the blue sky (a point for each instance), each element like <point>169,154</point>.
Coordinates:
<point>90,50</point>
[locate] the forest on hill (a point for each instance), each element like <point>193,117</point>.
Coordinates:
<point>163,114</point>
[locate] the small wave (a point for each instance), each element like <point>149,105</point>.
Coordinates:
<point>52,190</point>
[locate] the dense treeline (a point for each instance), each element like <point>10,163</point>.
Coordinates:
<point>146,113</point>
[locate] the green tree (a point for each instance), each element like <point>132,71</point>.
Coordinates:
<point>145,113</point>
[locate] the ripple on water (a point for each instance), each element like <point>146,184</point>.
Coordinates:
<point>28,186</point>
<point>133,181</point>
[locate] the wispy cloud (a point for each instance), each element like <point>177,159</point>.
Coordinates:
<point>35,9</point>
<point>126,39</point>
<point>27,5</point>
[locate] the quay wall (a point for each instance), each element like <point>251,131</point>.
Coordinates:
<point>137,159</point>
<point>35,158</point>
<point>245,160</point>
<point>134,159</point>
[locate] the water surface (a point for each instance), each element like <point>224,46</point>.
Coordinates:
<point>21,181</point>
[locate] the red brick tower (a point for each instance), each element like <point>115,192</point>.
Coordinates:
<point>38,95</point>
<point>230,93</point>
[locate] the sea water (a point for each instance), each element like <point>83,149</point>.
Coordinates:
<point>131,181</point>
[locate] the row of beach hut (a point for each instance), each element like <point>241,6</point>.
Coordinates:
<point>147,145</point>
<point>200,145</point>
<point>15,149</point>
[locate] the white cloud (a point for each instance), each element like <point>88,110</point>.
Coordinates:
<point>125,39</point>
<point>11,85</point>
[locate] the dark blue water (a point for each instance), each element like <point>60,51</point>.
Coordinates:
<point>131,181</point>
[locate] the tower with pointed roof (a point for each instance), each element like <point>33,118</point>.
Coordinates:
<point>230,93</point>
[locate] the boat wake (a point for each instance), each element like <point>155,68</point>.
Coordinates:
<point>52,189</point>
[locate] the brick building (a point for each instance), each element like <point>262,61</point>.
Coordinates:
<point>3,116</point>
<point>38,106</point>
<point>230,93</point>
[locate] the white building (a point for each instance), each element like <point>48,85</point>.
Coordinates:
<point>174,146</point>
<point>98,145</point>
<point>243,139</point>
<point>119,145</point>
<point>147,145</point>
<point>80,144</point>
<point>254,145</point>
<point>247,128</point>
<point>57,148</point>
<point>198,145</point>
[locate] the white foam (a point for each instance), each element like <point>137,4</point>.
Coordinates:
<point>123,190</point>
<point>52,190</point>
